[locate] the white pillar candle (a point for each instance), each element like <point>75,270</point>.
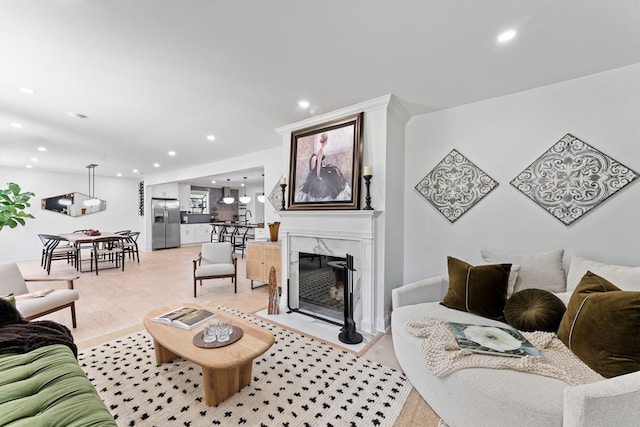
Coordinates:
<point>283,181</point>
<point>367,171</point>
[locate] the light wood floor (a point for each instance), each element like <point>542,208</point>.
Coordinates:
<point>113,303</point>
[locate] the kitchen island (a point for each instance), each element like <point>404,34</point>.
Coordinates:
<point>215,231</point>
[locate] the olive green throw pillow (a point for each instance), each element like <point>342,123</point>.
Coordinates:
<point>480,290</point>
<point>534,310</point>
<point>11,298</point>
<point>600,326</point>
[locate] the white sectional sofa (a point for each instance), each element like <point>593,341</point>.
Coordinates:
<point>479,397</point>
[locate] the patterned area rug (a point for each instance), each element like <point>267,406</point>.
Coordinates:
<point>297,382</point>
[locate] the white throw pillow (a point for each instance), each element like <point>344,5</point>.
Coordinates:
<point>626,278</point>
<point>538,270</point>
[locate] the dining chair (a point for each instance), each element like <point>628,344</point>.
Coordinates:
<point>108,249</point>
<point>81,245</point>
<point>239,239</point>
<point>33,307</point>
<point>215,261</point>
<point>227,233</point>
<point>56,248</point>
<point>215,234</point>
<point>44,238</point>
<point>130,245</point>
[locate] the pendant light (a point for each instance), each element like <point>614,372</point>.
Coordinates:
<point>261,197</point>
<point>228,200</point>
<point>67,200</point>
<point>92,201</point>
<point>245,199</point>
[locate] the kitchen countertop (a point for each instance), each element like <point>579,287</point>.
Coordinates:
<point>224,223</point>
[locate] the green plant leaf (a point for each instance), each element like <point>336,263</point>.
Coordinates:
<point>12,205</point>
<point>14,188</point>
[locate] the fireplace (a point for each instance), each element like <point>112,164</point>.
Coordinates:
<point>331,235</point>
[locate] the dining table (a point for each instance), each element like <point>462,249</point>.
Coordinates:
<point>78,238</point>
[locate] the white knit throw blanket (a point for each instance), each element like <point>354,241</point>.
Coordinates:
<point>443,355</point>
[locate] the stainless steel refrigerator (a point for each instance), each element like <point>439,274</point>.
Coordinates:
<point>165,232</point>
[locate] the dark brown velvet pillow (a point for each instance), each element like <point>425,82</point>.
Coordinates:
<point>480,290</point>
<point>601,324</point>
<point>534,310</point>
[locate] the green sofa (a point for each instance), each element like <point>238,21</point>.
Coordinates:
<point>41,382</point>
<point>47,387</point>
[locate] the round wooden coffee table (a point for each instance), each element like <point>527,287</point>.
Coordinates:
<point>225,370</point>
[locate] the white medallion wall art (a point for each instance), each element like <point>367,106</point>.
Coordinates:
<point>275,197</point>
<point>455,185</point>
<point>571,178</point>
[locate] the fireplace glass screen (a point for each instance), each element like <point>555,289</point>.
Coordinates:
<point>321,287</point>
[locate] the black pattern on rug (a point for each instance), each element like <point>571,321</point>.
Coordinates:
<point>297,382</point>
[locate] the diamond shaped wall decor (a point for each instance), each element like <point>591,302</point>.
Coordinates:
<point>275,197</point>
<point>571,178</point>
<point>455,185</point>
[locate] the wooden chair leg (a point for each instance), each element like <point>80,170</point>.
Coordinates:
<point>194,287</point>
<point>73,315</point>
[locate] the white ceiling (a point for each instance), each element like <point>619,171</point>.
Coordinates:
<point>160,75</point>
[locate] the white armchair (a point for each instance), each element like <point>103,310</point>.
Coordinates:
<point>12,282</point>
<point>216,260</point>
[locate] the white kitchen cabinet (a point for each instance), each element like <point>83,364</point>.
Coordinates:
<point>165,191</point>
<point>203,233</point>
<point>184,196</point>
<point>187,234</point>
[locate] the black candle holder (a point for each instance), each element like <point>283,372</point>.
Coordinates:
<point>283,186</point>
<point>367,182</point>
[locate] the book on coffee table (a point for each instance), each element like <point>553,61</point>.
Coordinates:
<point>185,317</point>
<point>493,340</point>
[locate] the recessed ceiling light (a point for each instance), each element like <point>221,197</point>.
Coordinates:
<point>156,165</point>
<point>118,174</point>
<point>303,103</point>
<point>77,116</point>
<point>506,36</point>
<point>171,153</point>
<point>16,125</point>
<point>34,159</point>
<point>211,137</point>
<point>28,166</point>
<point>213,182</point>
<point>134,170</point>
<point>42,148</point>
<point>27,91</point>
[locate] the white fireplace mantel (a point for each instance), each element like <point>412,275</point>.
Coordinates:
<point>332,233</point>
<point>339,223</point>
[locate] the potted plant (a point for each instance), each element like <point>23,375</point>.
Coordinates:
<point>12,206</point>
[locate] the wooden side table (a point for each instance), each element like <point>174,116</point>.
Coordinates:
<point>261,256</point>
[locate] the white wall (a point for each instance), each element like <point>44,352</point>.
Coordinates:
<point>22,243</point>
<point>505,135</point>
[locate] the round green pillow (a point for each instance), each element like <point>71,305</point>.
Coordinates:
<point>534,310</point>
